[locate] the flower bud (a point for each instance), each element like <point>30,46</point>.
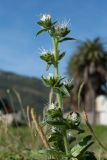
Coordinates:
<point>74,118</point>
<point>45,17</point>
<point>45,21</point>
<point>60,30</point>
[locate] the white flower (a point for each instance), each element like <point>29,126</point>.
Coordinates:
<point>50,76</point>
<point>68,83</point>
<point>43,51</point>
<point>53,129</point>
<point>74,116</point>
<point>62,25</point>
<point>45,17</point>
<point>52,106</point>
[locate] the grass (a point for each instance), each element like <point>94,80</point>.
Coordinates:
<point>101,133</point>
<point>15,143</point>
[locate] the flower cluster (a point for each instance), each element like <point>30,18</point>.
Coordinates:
<point>47,56</point>
<point>55,29</point>
<point>45,21</point>
<point>52,81</point>
<point>60,30</point>
<point>45,17</point>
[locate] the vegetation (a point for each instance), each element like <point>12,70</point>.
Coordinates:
<point>59,141</point>
<point>16,143</point>
<point>57,137</point>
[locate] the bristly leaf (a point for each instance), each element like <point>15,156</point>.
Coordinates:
<point>67,39</point>
<point>48,66</point>
<point>40,31</point>
<point>89,156</point>
<point>81,147</point>
<point>45,81</point>
<point>53,153</point>
<point>61,55</point>
<point>64,91</point>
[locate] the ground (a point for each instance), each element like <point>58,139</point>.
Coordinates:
<point>16,143</point>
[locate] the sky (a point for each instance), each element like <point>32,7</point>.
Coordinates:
<point>19,47</point>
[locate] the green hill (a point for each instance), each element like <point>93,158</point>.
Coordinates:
<point>31,91</point>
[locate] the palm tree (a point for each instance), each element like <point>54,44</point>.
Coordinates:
<point>89,64</point>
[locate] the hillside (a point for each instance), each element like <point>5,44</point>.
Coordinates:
<point>31,90</point>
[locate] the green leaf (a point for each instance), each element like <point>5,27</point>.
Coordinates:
<point>47,154</point>
<point>55,122</point>
<point>54,23</point>
<point>40,23</point>
<point>61,56</point>
<point>48,66</point>
<point>64,90</point>
<point>54,113</point>
<point>61,124</point>
<point>58,82</point>
<point>40,31</point>
<point>45,81</point>
<point>55,137</point>
<point>56,154</point>
<point>67,39</point>
<point>89,156</point>
<point>81,147</point>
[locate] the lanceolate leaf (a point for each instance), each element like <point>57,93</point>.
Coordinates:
<point>48,66</point>
<point>45,82</point>
<point>64,90</point>
<point>40,31</point>
<point>61,56</point>
<point>67,39</point>
<point>81,147</point>
<point>56,122</point>
<point>54,113</point>
<point>89,156</point>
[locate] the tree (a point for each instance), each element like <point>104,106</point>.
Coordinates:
<point>89,65</point>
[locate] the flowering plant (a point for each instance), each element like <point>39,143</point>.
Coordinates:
<point>60,135</point>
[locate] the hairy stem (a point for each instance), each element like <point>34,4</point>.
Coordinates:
<point>66,144</point>
<point>59,96</point>
<point>55,43</point>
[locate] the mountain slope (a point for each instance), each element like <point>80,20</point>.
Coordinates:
<point>31,90</point>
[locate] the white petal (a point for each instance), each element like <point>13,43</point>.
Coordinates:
<point>45,17</point>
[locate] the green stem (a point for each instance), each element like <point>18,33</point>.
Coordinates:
<point>65,144</point>
<point>55,43</point>
<point>59,97</point>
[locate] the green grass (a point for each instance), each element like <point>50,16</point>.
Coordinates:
<point>101,133</point>
<point>16,143</point>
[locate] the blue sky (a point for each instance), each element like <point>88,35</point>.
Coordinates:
<point>19,48</point>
